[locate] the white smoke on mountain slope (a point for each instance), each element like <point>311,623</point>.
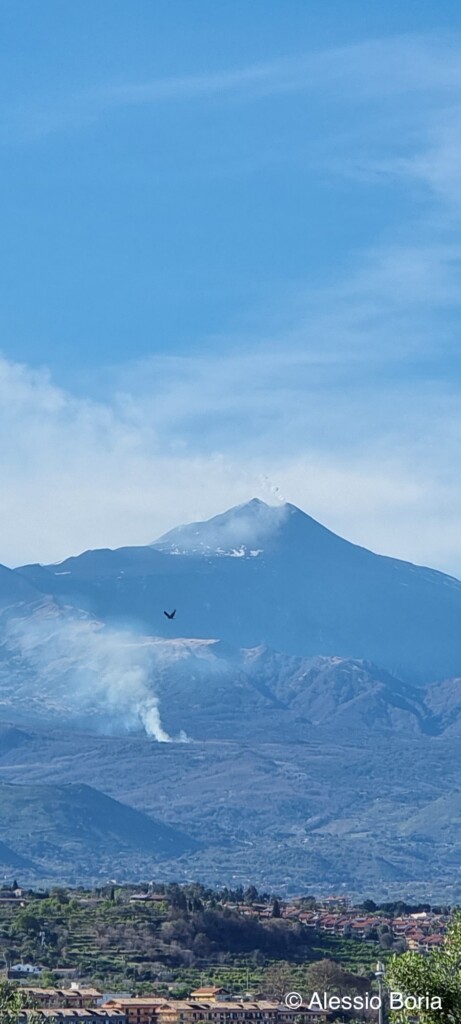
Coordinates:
<point>85,671</point>
<point>241,531</point>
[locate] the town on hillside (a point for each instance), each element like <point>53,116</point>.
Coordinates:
<point>182,954</point>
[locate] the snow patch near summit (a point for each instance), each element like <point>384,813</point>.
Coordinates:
<point>242,532</point>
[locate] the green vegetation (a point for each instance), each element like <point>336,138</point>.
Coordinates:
<point>12,1001</point>
<point>437,976</point>
<point>186,936</point>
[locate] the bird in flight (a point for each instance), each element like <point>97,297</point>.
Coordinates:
<point>170,615</point>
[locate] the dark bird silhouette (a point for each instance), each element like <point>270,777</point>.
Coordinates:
<point>170,615</point>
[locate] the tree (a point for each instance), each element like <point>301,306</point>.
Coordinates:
<point>431,978</point>
<point>329,976</point>
<point>280,979</point>
<point>276,908</point>
<point>201,945</point>
<point>325,976</point>
<point>12,1004</point>
<point>369,906</point>
<point>26,922</point>
<point>59,894</point>
<point>177,897</point>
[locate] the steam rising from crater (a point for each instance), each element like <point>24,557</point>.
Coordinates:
<point>92,673</point>
<point>244,530</point>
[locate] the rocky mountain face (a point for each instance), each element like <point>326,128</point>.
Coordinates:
<point>295,724</point>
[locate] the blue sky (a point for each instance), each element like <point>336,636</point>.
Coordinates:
<point>230,266</point>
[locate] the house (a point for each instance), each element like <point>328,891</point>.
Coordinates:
<point>148,897</point>
<point>431,942</point>
<point>18,971</point>
<point>184,1012</point>
<point>136,1009</point>
<point>400,925</point>
<point>42,997</point>
<point>71,998</point>
<point>415,939</point>
<point>208,994</point>
<point>81,996</point>
<point>328,923</point>
<point>10,895</point>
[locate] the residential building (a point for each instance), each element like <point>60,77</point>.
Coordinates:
<point>149,1010</point>
<point>18,971</point>
<point>208,994</point>
<point>63,1015</point>
<point>71,998</point>
<point>137,1009</point>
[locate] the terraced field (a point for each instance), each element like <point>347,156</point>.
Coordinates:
<point>118,944</point>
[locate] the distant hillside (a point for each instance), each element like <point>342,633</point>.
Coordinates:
<point>59,670</point>
<point>10,860</point>
<point>16,589</point>
<point>210,690</point>
<point>301,816</point>
<point>73,828</point>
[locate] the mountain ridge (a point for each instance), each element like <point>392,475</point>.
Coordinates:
<point>295,586</point>
<point>73,818</point>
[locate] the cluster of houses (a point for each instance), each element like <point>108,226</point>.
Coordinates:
<point>419,931</point>
<point>207,1004</point>
<point>333,914</point>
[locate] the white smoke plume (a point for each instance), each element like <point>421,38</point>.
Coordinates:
<point>84,671</point>
<point>272,489</point>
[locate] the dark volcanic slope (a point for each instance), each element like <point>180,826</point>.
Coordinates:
<point>16,589</point>
<point>74,828</point>
<point>274,576</point>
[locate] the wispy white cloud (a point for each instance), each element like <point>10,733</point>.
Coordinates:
<point>350,409</point>
<point>325,414</point>
<point>388,66</point>
<point>435,162</point>
<point>375,70</point>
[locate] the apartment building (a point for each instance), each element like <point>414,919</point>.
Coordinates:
<point>63,1015</point>
<point>73,998</point>
<point>155,1011</point>
<point>137,1009</point>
